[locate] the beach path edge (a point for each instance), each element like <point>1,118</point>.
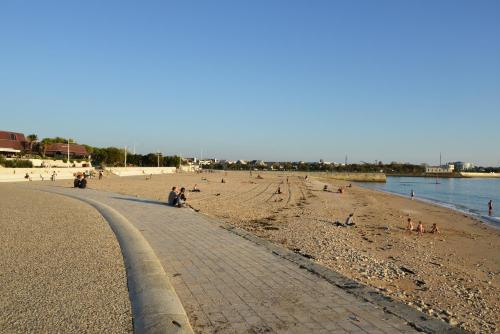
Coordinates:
<point>156,308</point>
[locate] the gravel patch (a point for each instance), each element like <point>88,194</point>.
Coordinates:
<point>61,268</point>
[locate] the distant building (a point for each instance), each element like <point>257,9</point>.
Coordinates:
<point>450,168</point>
<point>258,163</point>
<point>462,166</point>
<point>207,162</point>
<point>12,142</point>
<point>61,149</point>
<point>190,161</point>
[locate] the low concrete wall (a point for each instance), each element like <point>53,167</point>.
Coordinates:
<point>38,174</point>
<point>47,163</point>
<point>134,171</point>
<point>360,177</point>
<point>466,174</point>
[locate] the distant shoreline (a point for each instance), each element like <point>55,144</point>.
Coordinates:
<point>487,221</point>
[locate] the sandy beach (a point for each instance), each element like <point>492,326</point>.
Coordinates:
<point>61,269</point>
<point>453,275</point>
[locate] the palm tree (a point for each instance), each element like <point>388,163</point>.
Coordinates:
<point>32,139</point>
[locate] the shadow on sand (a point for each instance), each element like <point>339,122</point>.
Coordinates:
<point>148,201</point>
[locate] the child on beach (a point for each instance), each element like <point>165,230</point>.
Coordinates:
<point>420,228</point>
<point>409,226</point>
<point>434,228</point>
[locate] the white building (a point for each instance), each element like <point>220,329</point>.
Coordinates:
<point>440,169</point>
<point>462,166</point>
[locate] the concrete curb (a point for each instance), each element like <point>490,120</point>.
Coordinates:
<point>156,308</point>
<point>413,317</point>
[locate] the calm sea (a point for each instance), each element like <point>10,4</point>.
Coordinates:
<point>466,195</point>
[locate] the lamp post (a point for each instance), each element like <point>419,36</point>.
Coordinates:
<point>68,152</point>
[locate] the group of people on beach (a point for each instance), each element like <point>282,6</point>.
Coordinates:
<point>420,228</point>
<point>80,181</point>
<point>178,198</point>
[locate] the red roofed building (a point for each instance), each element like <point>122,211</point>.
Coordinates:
<point>12,142</point>
<point>75,150</point>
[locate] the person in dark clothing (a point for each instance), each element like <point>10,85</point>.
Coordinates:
<point>80,182</point>
<point>83,183</point>
<point>181,198</point>
<point>172,197</point>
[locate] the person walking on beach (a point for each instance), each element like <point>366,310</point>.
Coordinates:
<point>412,194</point>
<point>100,174</point>
<point>420,228</point>
<point>490,208</point>
<point>53,177</point>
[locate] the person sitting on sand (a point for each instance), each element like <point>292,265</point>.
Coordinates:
<point>195,189</point>
<point>172,197</point>
<point>80,182</point>
<point>76,181</point>
<point>420,228</point>
<point>341,190</point>
<point>434,229</point>
<point>83,182</point>
<point>279,190</point>
<point>181,198</point>
<point>325,188</point>
<point>223,181</point>
<point>409,226</point>
<point>350,220</point>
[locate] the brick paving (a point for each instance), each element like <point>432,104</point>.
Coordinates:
<point>228,284</point>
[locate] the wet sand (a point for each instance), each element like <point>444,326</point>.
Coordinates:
<point>453,275</point>
<point>61,268</point>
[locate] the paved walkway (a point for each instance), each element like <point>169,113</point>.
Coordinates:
<point>228,284</point>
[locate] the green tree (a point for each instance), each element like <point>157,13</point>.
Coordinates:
<point>32,140</point>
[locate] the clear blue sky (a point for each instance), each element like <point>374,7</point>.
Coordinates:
<point>273,80</point>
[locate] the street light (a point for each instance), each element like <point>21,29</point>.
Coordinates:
<point>68,151</point>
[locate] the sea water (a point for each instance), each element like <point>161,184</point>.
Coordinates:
<point>469,195</point>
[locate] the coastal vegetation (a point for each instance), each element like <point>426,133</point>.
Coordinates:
<point>392,168</point>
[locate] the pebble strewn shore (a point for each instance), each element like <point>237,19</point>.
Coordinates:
<point>453,275</point>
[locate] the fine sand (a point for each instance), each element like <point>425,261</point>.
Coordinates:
<point>61,268</point>
<point>453,275</point>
